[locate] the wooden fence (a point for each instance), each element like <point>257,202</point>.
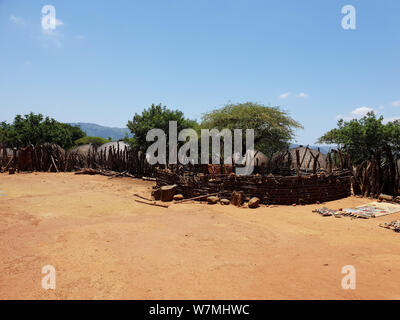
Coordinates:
<point>52,158</point>
<point>303,189</point>
<point>370,178</point>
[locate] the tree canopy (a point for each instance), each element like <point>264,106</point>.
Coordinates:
<point>273,127</point>
<point>365,138</point>
<point>35,129</point>
<point>156,117</point>
<point>97,141</point>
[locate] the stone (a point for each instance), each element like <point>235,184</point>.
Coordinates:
<point>178,197</point>
<point>168,192</point>
<point>254,203</point>
<point>385,197</point>
<point>237,198</point>
<point>212,200</point>
<point>225,202</point>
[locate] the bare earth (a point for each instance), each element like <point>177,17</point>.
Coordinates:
<point>104,245</point>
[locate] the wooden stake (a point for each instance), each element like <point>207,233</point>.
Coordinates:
<point>198,197</point>
<point>52,159</point>
<point>141,197</point>
<point>298,162</point>
<point>152,204</point>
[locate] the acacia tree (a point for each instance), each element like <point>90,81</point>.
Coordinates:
<point>273,127</point>
<point>155,117</point>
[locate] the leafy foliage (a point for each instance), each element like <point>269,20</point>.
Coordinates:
<point>365,137</point>
<point>273,127</point>
<point>35,129</point>
<point>6,134</point>
<point>98,141</point>
<point>156,117</point>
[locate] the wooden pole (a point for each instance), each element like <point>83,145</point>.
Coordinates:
<point>298,162</point>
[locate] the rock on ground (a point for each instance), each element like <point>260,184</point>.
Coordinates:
<point>254,203</point>
<point>225,202</point>
<point>178,197</point>
<point>212,200</point>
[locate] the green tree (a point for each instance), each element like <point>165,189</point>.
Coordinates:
<point>97,141</point>
<point>6,135</point>
<point>35,129</point>
<point>365,138</point>
<point>155,117</point>
<point>273,127</point>
<point>76,131</point>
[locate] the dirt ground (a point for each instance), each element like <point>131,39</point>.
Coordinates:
<point>104,245</point>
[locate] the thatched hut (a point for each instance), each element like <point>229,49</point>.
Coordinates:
<point>307,157</point>
<point>82,150</point>
<point>260,159</point>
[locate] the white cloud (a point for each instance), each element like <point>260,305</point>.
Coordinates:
<point>361,111</point>
<point>355,114</point>
<point>302,95</point>
<point>285,95</point>
<point>381,107</point>
<point>17,20</point>
<point>79,37</point>
<point>396,103</point>
<point>386,120</point>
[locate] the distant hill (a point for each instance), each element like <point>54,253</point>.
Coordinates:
<point>92,129</point>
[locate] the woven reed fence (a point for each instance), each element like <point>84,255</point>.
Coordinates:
<point>303,189</point>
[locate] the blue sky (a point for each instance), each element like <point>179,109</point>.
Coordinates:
<point>107,60</point>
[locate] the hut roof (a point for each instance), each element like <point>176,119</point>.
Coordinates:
<point>82,149</point>
<point>260,159</point>
<point>306,159</point>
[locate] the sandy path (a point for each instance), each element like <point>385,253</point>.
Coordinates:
<point>105,245</point>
